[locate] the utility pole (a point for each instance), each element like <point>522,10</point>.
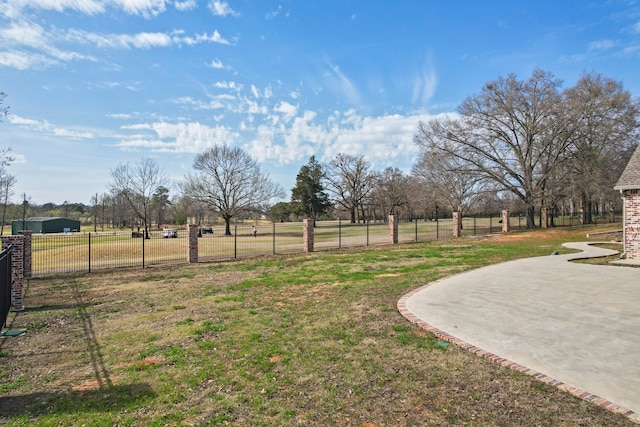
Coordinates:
<point>24,211</point>
<point>95,214</point>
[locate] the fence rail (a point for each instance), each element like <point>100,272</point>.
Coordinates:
<point>5,284</point>
<point>86,252</point>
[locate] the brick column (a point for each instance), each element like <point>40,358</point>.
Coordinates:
<point>307,235</point>
<point>192,243</point>
<point>393,229</point>
<point>544,218</point>
<point>505,221</point>
<point>27,260</point>
<point>457,224</point>
<point>17,270</point>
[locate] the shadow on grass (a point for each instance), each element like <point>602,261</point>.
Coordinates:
<point>105,399</point>
<point>101,393</point>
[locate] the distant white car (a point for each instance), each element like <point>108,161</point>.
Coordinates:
<point>169,233</point>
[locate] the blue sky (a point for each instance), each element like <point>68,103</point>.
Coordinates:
<point>92,84</point>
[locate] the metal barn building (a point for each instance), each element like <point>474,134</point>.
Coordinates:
<point>45,225</point>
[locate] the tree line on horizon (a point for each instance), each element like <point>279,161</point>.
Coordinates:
<point>523,145</point>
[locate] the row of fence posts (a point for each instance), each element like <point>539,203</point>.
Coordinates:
<point>91,264</point>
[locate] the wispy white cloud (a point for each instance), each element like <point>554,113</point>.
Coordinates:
<point>27,45</point>
<point>71,134</point>
<point>185,5</point>
<point>144,40</point>
<point>120,41</point>
<point>286,135</point>
<point>381,139</point>
<point>287,110</point>
<point>44,127</point>
<point>17,120</point>
<point>221,8</point>
<point>187,101</point>
<point>425,84</point>
<point>23,33</point>
<point>271,15</point>
<point>24,60</point>
<point>216,64</point>
<point>120,116</point>
<point>215,37</point>
<point>145,8</point>
<point>601,45</point>
<point>14,8</point>
<point>231,85</point>
<point>192,137</point>
<point>341,84</point>
<point>630,50</point>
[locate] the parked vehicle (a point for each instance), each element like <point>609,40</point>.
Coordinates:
<point>169,233</point>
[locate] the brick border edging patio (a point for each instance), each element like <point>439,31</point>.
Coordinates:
<point>574,391</point>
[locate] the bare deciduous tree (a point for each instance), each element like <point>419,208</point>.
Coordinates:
<point>606,132</point>
<point>7,181</point>
<point>229,182</point>
<point>450,182</point>
<point>391,191</point>
<point>514,133</point>
<point>350,181</point>
<point>136,184</point>
<point>4,111</point>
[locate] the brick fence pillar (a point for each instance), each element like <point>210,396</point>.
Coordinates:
<point>17,270</point>
<point>505,221</point>
<point>544,218</point>
<point>393,229</point>
<point>192,243</point>
<point>26,257</point>
<point>307,235</point>
<point>457,224</point>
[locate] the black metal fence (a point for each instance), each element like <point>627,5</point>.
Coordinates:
<point>5,284</point>
<point>85,252</point>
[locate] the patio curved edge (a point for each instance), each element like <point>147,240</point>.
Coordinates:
<point>588,251</point>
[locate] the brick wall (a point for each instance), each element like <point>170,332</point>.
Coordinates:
<point>393,229</point>
<point>17,268</point>
<point>632,224</point>
<point>505,221</point>
<point>307,235</point>
<point>457,224</point>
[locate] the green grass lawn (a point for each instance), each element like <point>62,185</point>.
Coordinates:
<point>286,340</point>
